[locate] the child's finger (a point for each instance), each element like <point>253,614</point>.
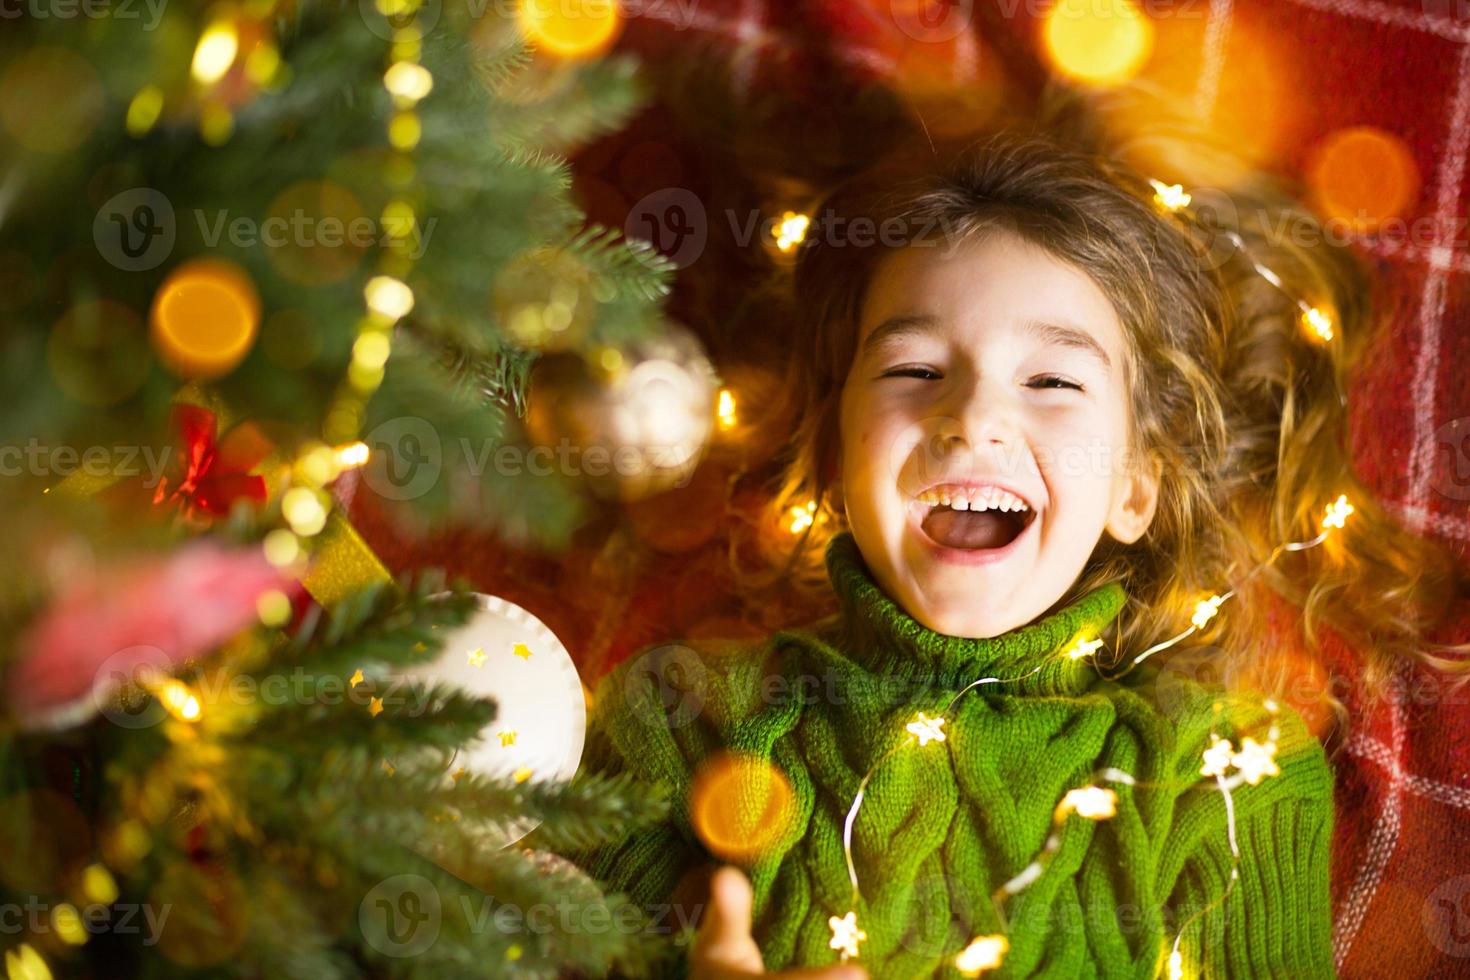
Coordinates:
<point>724,948</point>
<point>723,945</point>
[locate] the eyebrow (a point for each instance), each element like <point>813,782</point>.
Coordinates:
<point>1051,333</point>
<point>897,327</point>
<point>1068,336</point>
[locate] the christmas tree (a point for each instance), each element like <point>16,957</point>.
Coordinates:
<point>252,251</point>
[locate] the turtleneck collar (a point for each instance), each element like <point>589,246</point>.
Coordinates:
<point>886,640</point>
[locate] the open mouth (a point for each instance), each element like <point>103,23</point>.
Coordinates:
<point>972,519</point>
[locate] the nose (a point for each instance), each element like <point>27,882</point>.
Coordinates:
<point>984,417</point>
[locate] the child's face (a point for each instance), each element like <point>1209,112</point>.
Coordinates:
<point>962,377</point>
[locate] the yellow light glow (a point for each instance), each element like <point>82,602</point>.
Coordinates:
<point>262,64</point>
<point>304,511</point>
<point>398,219</point>
<point>1083,647</point>
<point>522,774</point>
<point>180,702</point>
<point>476,657</point>
<point>1217,757</point>
<point>1090,803</point>
<point>273,607</point>
<point>281,548</point>
<point>726,409</point>
<point>98,885</point>
<point>144,110</point>
<point>570,28</point>
<point>1318,322</point>
<point>1171,197</point>
<point>741,806</point>
<point>1337,513</point>
<point>388,297</point>
<point>24,963</point>
<point>1100,42</point>
<point>67,922</point>
<point>216,52</point>
<point>1256,760</point>
<point>205,318</point>
<point>405,130</point>
<point>352,455</point>
<point>1206,611</point>
<point>927,729</point>
<point>801,517</point>
<point>983,953</point>
<point>791,230</point>
<point>845,934</point>
<point>408,81</point>
<point>371,349</point>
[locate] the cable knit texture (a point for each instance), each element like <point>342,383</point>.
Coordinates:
<point>943,826</point>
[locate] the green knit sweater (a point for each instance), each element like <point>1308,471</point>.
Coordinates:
<point>944,826</point>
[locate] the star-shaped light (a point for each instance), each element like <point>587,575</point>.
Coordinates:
<point>1217,757</point>
<point>1337,513</point>
<point>927,729</point>
<point>1255,760</point>
<point>522,774</point>
<point>1171,197</point>
<point>355,679</point>
<point>457,774</point>
<point>1319,323</point>
<point>476,657</point>
<point>791,230</point>
<point>507,737</point>
<point>1083,647</point>
<point>388,767</point>
<point>1206,610</point>
<point>845,934</point>
<point>522,651</point>
<point>375,707</point>
<point>983,953</point>
<point>1089,802</point>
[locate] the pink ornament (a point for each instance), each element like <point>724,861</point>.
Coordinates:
<point>157,612</point>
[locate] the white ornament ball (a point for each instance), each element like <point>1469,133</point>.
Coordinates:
<point>507,654</point>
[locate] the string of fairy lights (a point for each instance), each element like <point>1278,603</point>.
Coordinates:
<point>1227,764</point>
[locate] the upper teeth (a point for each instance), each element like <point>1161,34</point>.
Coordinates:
<point>987,498</point>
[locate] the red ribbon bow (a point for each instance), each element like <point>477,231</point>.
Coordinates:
<point>215,473</point>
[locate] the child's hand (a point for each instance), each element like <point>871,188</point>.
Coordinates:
<point>723,948</point>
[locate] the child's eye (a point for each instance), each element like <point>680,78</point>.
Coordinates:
<point>1052,381</point>
<point>910,372</point>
